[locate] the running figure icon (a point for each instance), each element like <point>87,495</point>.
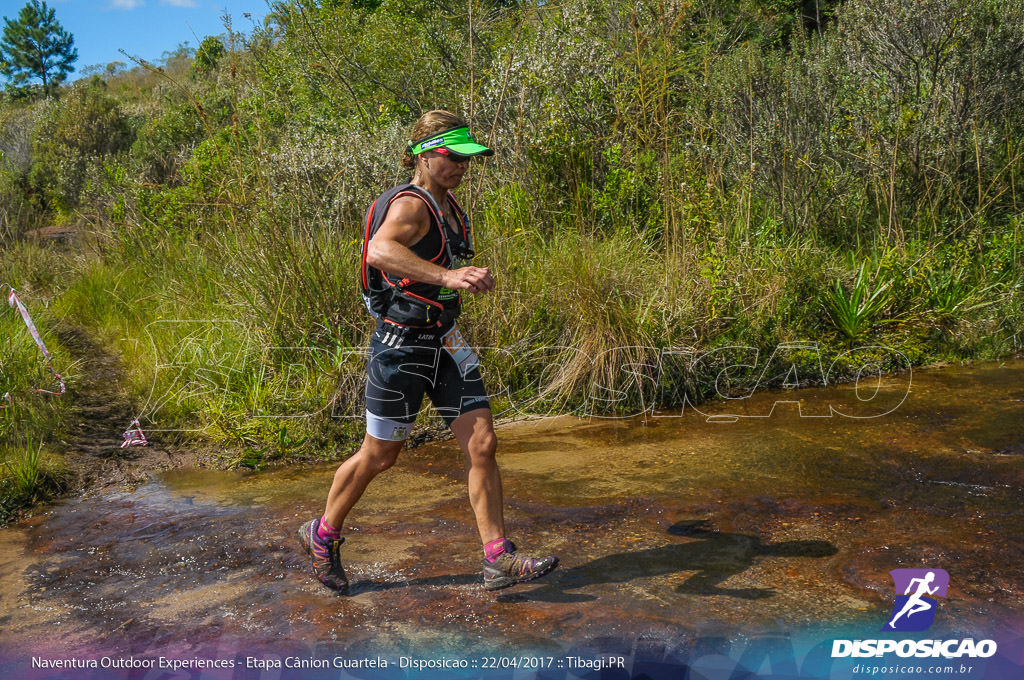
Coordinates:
<point>917,602</point>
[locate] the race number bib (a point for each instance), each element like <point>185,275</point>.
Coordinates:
<point>465,358</point>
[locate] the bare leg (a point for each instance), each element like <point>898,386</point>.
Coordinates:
<point>475,433</point>
<point>355,474</point>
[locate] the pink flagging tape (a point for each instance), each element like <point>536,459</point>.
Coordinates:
<point>13,301</point>
<point>133,436</point>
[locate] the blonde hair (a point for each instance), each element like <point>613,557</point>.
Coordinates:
<point>429,124</point>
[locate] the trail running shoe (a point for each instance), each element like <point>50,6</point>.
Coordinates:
<point>324,556</point>
<point>510,568</point>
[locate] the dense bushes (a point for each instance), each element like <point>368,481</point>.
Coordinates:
<point>72,142</point>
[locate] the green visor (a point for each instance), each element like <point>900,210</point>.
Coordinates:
<point>458,140</point>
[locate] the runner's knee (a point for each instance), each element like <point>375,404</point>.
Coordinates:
<point>380,458</point>
<point>482,447</point>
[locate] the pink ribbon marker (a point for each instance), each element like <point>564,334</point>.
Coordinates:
<point>13,301</point>
<point>133,436</point>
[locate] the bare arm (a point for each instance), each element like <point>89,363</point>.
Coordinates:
<point>406,223</point>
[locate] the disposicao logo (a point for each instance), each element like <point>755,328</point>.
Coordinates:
<point>915,608</point>
<point>914,611</point>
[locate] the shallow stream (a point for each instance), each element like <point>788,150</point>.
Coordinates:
<point>672,529</point>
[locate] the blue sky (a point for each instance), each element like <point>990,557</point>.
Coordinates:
<point>144,28</point>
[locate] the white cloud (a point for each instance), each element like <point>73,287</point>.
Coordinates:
<point>126,4</point>
<point>180,3</point>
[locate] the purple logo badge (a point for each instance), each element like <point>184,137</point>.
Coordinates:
<point>915,607</point>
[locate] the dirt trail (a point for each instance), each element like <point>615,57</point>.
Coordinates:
<point>100,413</point>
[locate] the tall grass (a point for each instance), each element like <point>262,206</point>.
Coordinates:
<point>29,414</point>
<point>27,477</point>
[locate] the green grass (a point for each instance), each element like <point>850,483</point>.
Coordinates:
<point>855,311</point>
<point>29,416</point>
<point>28,476</point>
<point>575,312</point>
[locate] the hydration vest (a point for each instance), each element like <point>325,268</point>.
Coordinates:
<point>403,301</point>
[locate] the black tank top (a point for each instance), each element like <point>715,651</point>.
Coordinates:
<point>415,303</point>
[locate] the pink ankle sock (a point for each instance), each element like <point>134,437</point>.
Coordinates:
<point>326,531</point>
<point>493,549</point>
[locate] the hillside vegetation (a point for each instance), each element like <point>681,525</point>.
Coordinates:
<point>670,176</point>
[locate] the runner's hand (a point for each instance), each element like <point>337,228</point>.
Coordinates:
<point>473,279</point>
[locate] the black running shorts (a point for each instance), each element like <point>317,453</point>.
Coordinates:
<point>404,366</point>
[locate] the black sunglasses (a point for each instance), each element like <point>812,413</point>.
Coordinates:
<point>452,156</point>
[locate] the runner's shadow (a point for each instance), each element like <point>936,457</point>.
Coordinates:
<point>713,555</point>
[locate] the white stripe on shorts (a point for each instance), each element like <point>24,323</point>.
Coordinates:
<point>387,429</point>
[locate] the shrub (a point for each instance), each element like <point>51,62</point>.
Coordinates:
<point>70,144</point>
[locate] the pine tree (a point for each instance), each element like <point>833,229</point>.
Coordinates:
<point>35,45</point>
